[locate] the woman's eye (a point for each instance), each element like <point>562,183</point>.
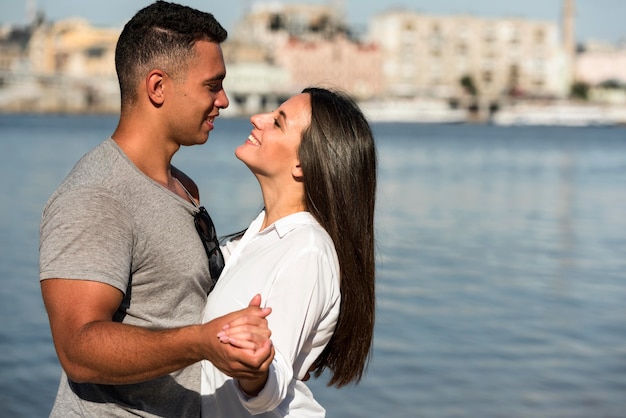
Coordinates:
<point>276,124</point>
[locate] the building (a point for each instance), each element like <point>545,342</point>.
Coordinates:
<point>65,66</point>
<point>598,62</point>
<point>405,63</point>
<point>335,62</point>
<point>78,61</point>
<point>271,23</point>
<point>255,86</point>
<point>308,45</point>
<point>428,56</point>
<point>602,68</point>
<point>74,48</point>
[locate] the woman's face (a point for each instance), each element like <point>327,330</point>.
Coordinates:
<point>271,150</point>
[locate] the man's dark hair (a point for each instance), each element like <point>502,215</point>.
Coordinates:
<point>161,35</point>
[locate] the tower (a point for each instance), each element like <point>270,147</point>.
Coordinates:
<point>568,32</point>
<point>31,11</point>
<point>339,10</point>
<point>569,36</point>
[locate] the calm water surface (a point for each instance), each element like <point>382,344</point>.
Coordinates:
<point>501,261</point>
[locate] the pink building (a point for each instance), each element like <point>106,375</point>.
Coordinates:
<point>598,65</point>
<point>337,62</point>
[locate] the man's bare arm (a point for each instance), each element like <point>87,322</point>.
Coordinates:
<point>92,348</point>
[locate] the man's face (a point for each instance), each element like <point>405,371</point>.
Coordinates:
<point>197,96</point>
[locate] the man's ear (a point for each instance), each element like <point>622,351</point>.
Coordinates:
<point>155,86</point>
<point>296,172</point>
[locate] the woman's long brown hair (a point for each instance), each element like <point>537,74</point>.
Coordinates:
<point>338,158</point>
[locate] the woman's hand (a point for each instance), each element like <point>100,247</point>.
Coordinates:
<point>241,334</point>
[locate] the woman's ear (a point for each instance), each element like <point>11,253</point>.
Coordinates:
<point>296,172</point>
<point>155,87</point>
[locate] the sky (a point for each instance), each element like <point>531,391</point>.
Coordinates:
<point>599,20</point>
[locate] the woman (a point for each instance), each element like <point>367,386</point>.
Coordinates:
<point>310,254</point>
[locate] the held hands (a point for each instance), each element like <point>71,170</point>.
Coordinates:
<point>243,349</point>
<point>241,333</point>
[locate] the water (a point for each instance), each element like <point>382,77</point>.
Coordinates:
<point>501,265</point>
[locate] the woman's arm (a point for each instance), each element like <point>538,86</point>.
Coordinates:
<point>305,299</point>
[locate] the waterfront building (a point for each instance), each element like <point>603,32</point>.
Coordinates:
<point>335,62</point>
<point>273,23</point>
<point>602,67</point>
<point>64,66</point>
<point>428,55</point>
<point>75,61</point>
<point>599,62</point>
<point>306,44</point>
<point>73,47</point>
<point>13,47</point>
<point>404,63</point>
<point>254,87</point>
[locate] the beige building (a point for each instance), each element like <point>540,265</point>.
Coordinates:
<point>254,87</point>
<point>12,48</point>
<point>71,66</point>
<point>73,48</point>
<point>427,55</point>
<point>277,49</point>
<point>270,23</point>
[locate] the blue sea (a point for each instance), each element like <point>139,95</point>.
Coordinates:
<point>501,255</point>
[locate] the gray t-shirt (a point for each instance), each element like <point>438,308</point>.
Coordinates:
<point>110,223</point>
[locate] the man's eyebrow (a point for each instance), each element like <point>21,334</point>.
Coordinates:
<point>217,77</point>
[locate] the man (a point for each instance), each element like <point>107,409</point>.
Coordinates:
<point>124,274</point>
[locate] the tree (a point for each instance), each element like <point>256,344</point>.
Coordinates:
<point>580,90</point>
<point>611,84</point>
<point>467,82</point>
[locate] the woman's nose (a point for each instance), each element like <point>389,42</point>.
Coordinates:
<point>259,119</point>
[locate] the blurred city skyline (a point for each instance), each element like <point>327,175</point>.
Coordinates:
<point>596,20</point>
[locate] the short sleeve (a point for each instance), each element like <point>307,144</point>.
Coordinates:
<point>86,234</point>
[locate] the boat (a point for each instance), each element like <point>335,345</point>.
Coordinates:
<point>560,114</point>
<point>412,110</point>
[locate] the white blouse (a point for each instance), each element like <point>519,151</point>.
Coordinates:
<point>293,265</point>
